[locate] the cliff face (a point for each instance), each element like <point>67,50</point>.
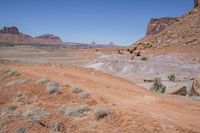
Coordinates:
<point>156,26</point>
<point>166,32</point>
<point>196,3</point>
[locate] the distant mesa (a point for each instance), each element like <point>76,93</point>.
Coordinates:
<point>10,30</point>
<point>50,37</point>
<point>13,35</point>
<point>93,43</point>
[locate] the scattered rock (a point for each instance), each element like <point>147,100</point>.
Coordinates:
<point>137,53</point>
<point>195,90</point>
<point>180,91</point>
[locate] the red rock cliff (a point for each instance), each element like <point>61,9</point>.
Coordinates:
<point>156,26</point>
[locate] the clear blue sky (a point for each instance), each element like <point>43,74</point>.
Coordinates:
<point>103,21</point>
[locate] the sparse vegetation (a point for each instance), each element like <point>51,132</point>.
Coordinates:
<point>35,120</point>
<point>19,94</point>
<point>77,110</point>
<point>144,58</point>
<point>52,87</point>
<point>77,90</point>
<point>158,86</point>
<point>21,130</point>
<point>9,73</point>
<point>84,94</point>
<point>172,77</point>
<point>101,112</point>
<point>35,112</point>
<point>42,80</point>
<point>11,108</point>
<point>56,127</point>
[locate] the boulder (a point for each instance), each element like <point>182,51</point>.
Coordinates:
<point>180,91</point>
<point>195,90</point>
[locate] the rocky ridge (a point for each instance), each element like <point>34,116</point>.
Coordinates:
<point>13,35</point>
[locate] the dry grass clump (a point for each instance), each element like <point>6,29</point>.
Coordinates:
<point>9,73</point>
<point>56,127</point>
<point>52,87</point>
<point>76,110</point>
<point>101,112</point>
<point>77,90</point>
<point>21,130</point>
<point>35,112</point>
<point>84,94</point>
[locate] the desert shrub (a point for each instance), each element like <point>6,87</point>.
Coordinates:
<point>21,130</point>
<point>101,112</point>
<point>35,112</point>
<point>61,109</point>
<point>77,90</point>
<point>56,127</point>
<point>9,73</point>
<point>6,70</point>
<point>158,86</point>
<point>19,94</point>
<point>84,94</point>
<point>144,58</point>
<point>172,77</point>
<point>42,80</point>
<point>12,73</point>
<point>11,108</point>
<point>35,120</point>
<point>77,110</point>
<point>52,87</point>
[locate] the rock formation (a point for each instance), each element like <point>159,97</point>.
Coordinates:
<point>10,30</point>
<point>195,91</point>
<point>165,32</point>
<point>50,37</point>
<point>156,26</point>
<point>196,3</point>
<point>12,35</point>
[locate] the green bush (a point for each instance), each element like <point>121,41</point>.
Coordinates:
<point>172,77</point>
<point>158,86</point>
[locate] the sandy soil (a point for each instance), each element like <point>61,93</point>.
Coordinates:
<point>134,108</point>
